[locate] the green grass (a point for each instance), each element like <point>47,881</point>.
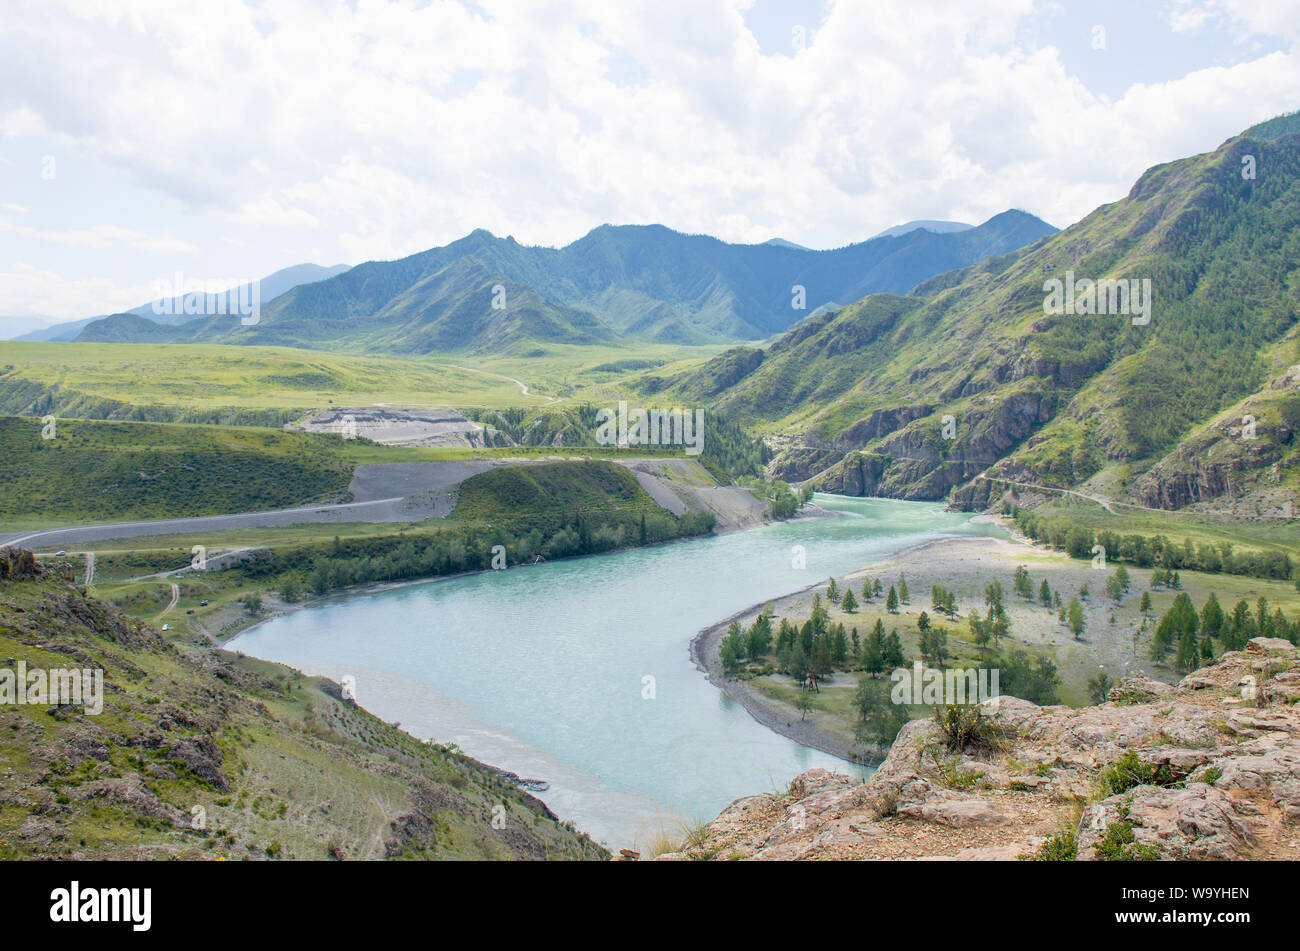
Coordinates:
<point>214,383</point>
<point>211,378</point>
<point>298,774</point>
<point>1177,526</point>
<point>552,488</point>
<point>102,471</point>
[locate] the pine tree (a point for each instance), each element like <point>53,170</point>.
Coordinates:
<point>1212,617</point>
<point>1074,618</point>
<point>1145,604</point>
<point>923,622</point>
<point>833,592</point>
<point>760,636</point>
<point>891,601</point>
<point>1045,594</point>
<point>902,591</point>
<point>839,646</point>
<point>894,650</point>
<point>873,660</point>
<point>850,603</point>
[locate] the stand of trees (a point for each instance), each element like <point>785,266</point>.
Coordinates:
<point>1154,551</point>
<point>343,563</point>
<point>1191,635</point>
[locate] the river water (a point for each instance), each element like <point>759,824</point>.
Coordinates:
<point>577,672</point>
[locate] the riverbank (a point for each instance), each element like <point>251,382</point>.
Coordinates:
<point>577,673</point>
<point>962,564</point>
<point>280,608</point>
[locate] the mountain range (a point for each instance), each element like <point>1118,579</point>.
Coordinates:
<point>171,310</point>
<point>915,395</point>
<point>616,284</point>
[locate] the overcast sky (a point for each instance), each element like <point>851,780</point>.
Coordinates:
<point>218,138</point>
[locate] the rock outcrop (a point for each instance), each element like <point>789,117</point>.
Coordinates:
<point>1206,769</point>
<point>911,452</point>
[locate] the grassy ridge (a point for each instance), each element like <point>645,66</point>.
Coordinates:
<point>531,491</point>
<point>277,765</point>
<point>118,471</point>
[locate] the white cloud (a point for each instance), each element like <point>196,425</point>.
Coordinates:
<point>1249,17</point>
<point>385,128</point>
<point>101,236</point>
<point>26,290</point>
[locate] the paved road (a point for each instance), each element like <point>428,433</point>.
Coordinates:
<point>379,510</point>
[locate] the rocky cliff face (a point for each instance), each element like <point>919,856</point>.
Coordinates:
<point>1235,464</point>
<point>1209,769</point>
<point>904,453</point>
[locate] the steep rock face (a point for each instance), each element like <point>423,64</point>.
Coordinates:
<point>1240,456</point>
<point>912,458</point>
<point>858,473</point>
<point>1207,769</point>
<point>800,463</point>
<point>882,422</point>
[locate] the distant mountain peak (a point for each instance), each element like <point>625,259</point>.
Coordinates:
<point>926,224</point>
<point>782,243</point>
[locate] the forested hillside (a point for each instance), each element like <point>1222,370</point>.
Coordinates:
<point>912,396</point>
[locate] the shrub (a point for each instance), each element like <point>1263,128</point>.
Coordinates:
<point>963,727</point>
<point>1130,771</point>
<point>1059,848</point>
<point>1120,845</point>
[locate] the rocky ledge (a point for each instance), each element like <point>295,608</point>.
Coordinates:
<point>1206,769</point>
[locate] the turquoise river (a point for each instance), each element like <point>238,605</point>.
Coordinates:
<point>545,670</point>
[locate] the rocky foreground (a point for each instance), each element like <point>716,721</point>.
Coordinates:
<point>1207,769</point>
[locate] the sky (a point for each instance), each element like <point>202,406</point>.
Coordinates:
<point>224,140</point>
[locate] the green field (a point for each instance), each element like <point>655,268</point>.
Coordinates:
<point>216,383</point>
<point>210,377</point>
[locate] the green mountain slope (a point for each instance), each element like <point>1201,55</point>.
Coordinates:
<point>208,755</point>
<point>1053,398</point>
<point>640,282</point>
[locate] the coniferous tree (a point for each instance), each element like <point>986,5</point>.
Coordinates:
<point>873,660</point>
<point>894,656</point>
<point>1074,618</point>
<point>1212,618</point>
